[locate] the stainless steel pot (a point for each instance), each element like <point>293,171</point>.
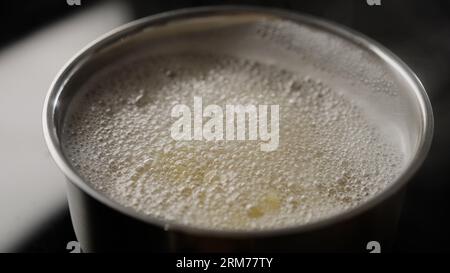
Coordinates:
<point>395,96</point>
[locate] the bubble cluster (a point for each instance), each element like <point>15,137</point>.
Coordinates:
<point>330,157</point>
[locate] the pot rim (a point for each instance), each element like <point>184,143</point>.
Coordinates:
<point>57,87</point>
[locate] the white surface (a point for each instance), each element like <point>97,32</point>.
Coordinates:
<point>31,186</point>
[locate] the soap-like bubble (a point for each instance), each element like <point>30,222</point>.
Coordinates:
<point>330,158</point>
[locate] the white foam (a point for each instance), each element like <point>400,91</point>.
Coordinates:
<point>330,157</point>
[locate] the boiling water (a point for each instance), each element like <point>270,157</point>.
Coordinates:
<point>330,157</point>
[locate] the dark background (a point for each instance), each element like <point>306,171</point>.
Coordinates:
<point>417,31</point>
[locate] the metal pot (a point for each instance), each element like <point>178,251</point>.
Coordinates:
<point>103,225</point>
